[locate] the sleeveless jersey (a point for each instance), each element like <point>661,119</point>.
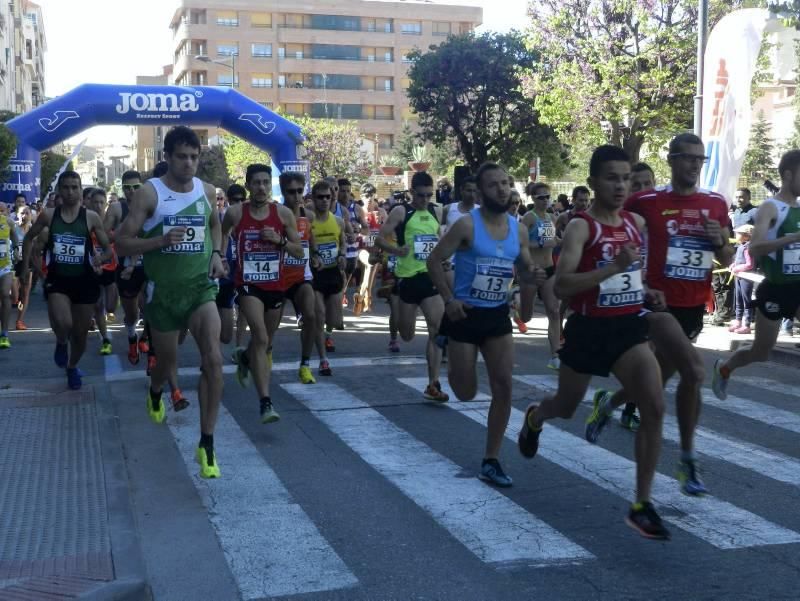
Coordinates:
<point>542,231</point>
<point>453,215</point>
<point>258,261</point>
<point>621,294</point>
<point>185,263</point>
<point>351,250</point>
<point>368,242</point>
<point>5,242</point>
<point>485,271</point>
<point>69,246</point>
<point>680,259</point>
<point>327,234</point>
<point>295,270</point>
<point>111,264</point>
<point>420,230</point>
<point>783,265</point>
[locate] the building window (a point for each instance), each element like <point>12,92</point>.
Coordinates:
<point>441,28</point>
<point>225,79</point>
<point>197,17</point>
<point>336,23</point>
<point>336,52</point>
<point>281,81</point>
<point>227,50</point>
<point>266,105</point>
<point>336,111</point>
<point>406,59</point>
<point>261,50</point>
<point>411,28</point>
<point>387,85</point>
<point>261,19</point>
<point>261,80</point>
<point>228,18</point>
<point>387,57</point>
<point>384,113</point>
<point>282,52</point>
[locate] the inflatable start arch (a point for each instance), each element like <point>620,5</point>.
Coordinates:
<point>100,104</point>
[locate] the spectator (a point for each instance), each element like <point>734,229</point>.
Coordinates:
<point>745,212</point>
<point>742,263</point>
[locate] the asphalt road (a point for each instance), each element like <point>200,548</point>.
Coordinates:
<point>363,490</point>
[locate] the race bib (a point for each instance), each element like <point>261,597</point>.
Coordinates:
<point>369,240</point>
<point>291,261</point>
<point>194,240</point>
<point>261,267</point>
<point>547,232</point>
<point>623,289</point>
<point>493,278</point>
<point>327,253</point>
<point>391,263</point>
<point>689,258</point>
<point>68,249</point>
<point>423,245</point>
<point>791,259</point>
<point>3,250</point>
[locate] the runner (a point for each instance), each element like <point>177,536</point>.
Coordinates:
<point>580,202</point>
<point>686,229</point>
<point>181,242</point>
<point>416,226</point>
<point>541,234</point>
<point>369,257</point>
<point>775,244</point>
<point>8,242</point>
<point>487,242</point>
<point>23,226</point>
<point>95,201</point>
<point>226,297</point>
<point>600,272</point>
<point>327,265</point>
<point>71,287</point>
<point>353,214</point>
<point>296,273</point>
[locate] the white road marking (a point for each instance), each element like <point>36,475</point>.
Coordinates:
<point>488,523</point>
<point>767,384</point>
<point>272,547</point>
<point>421,383</point>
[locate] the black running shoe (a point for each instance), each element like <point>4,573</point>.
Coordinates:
<point>528,440</point>
<point>643,518</point>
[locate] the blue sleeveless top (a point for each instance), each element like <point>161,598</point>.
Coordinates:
<point>484,272</point>
<point>544,230</point>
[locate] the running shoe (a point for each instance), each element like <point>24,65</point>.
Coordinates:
<point>630,421</point>
<point>111,318</point>
<point>528,440</point>
<point>208,463</point>
<point>242,370</point>
<point>179,402</point>
<point>434,392</point>
<point>20,306</point>
<point>734,324</point>
<point>743,330</point>
<point>643,518</point>
<point>61,355</point>
<point>305,375</point>
<point>719,383</point>
<point>105,348</point>
<point>394,347</point>
<point>151,363</point>
<point>598,418</point>
<point>492,472</point>
<point>329,345</point>
<point>5,342</point>
<point>344,300</point>
<point>521,325</point>
<point>73,378</point>
<point>133,351</point>
<point>268,413</point>
<point>554,363</point>
<point>688,476</point>
<point>325,368</point>
<point>155,408</point>
<point>21,325</point>
<point>144,346</point>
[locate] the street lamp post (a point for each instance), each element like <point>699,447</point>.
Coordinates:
<point>702,31</point>
<point>207,59</point>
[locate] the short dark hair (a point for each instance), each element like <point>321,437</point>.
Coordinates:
<point>236,190</point>
<point>789,162</point>
<point>746,191</point>
<point>160,169</point>
<point>287,177</point>
<point>87,192</point>
<point>18,194</point>
<point>486,168</point>
<point>580,190</point>
<point>256,168</point>
<point>421,179</point>
<point>320,185</point>
<point>684,138</point>
<point>470,179</point>
<point>532,187</point>
<point>68,174</point>
<point>605,154</point>
<point>131,174</point>
<point>180,134</point>
<point>343,181</point>
<point>96,191</point>
<point>640,166</point>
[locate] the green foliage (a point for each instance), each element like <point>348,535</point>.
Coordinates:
<point>794,138</point>
<point>420,154</point>
<point>213,168</point>
<point>51,162</point>
<point>468,91</point>
<point>8,142</point>
<point>759,161</point>
<point>238,154</point>
<point>393,160</point>
<point>405,143</point>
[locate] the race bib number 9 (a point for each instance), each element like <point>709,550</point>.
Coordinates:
<point>423,245</point>
<point>194,240</point>
<point>623,289</point>
<point>791,259</point>
<point>492,280</point>
<point>261,267</point>
<point>69,249</point>
<point>689,258</point>
<point>291,261</point>
<point>327,253</point>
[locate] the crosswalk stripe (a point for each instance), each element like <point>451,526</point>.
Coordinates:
<point>421,383</point>
<point>767,384</point>
<point>766,462</point>
<point>272,547</point>
<point>719,523</point>
<point>488,523</point>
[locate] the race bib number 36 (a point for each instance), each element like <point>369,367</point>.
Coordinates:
<point>623,289</point>
<point>261,267</point>
<point>492,280</point>
<point>69,249</point>
<point>194,240</point>
<point>689,258</point>
<point>423,246</point>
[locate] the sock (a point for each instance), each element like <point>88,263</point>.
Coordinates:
<point>155,397</point>
<point>265,401</point>
<point>131,331</point>
<point>687,455</point>
<point>639,505</point>
<point>206,441</point>
<point>304,360</point>
<point>106,341</point>
<point>491,460</point>
<point>725,371</point>
<point>393,337</point>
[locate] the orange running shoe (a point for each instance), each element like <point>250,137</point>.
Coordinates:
<point>179,403</point>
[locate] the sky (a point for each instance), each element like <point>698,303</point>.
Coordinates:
<point>113,41</point>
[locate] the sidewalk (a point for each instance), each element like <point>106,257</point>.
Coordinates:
<point>786,351</point>
<point>66,526</point>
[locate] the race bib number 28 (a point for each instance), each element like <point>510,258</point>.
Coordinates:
<point>194,240</point>
<point>423,246</point>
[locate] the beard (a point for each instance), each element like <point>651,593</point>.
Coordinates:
<point>494,206</point>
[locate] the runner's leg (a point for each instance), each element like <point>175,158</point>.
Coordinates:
<point>498,353</point>
<point>433,310</point>
<point>205,326</point>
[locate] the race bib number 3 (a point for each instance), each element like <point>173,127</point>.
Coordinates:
<point>69,249</point>
<point>261,267</point>
<point>623,289</point>
<point>327,253</point>
<point>689,258</point>
<point>194,240</point>
<point>293,262</point>
<point>791,259</point>
<point>423,246</point>
<point>492,280</point>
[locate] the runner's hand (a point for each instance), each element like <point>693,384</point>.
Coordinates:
<point>714,232</point>
<point>217,268</point>
<point>655,299</point>
<point>402,251</point>
<point>174,236</point>
<point>628,255</point>
<point>342,262</point>
<point>316,262</point>
<point>126,273</point>
<point>269,234</point>
<point>456,310</point>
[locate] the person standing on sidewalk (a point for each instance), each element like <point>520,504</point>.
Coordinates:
<point>742,263</point>
<point>8,242</point>
<point>181,242</point>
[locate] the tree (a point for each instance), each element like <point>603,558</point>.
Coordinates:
<point>50,164</point>
<point>213,168</point>
<point>8,142</point>
<point>405,143</point>
<point>759,162</point>
<point>239,154</point>
<point>468,90</point>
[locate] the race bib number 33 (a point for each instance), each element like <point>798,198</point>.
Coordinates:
<point>689,258</point>
<point>69,249</point>
<point>423,246</point>
<point>194,240</point>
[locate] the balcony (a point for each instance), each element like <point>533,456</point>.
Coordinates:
<point>297,35</point>
<point>343,67</point>
<point>292,94</point>
<point>387,29</point>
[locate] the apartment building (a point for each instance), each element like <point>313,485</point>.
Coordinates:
<point>338,59</point>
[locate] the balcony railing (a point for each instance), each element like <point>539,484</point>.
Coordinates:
<point>363,59</point>
<point>304,86</point>
<point>367,29</point>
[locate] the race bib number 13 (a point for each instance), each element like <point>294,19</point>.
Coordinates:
<point>492,280</point>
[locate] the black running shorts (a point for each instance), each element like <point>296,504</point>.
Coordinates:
<point>83,290</point>
<point>328,281</point>
<point>132,286</point>
<point>226,295</point>
<point>480,324</point>
<point>416,289</point>
<point>690,318</point>
<point>776,301</point>
<point>271,299</point>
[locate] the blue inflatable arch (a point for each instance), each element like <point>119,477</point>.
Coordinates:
<point>101,104</point>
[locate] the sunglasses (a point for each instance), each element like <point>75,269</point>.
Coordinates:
<point>690,158</point>
<point>323,196</point>
<point>294,191</point>
<point>220,198</point>
<point>131,186</point>
<point>515,203</point>
<point>542,197</point>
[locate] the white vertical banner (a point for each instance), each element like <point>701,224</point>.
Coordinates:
<point>730,63</point>
<point>75,152</point>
